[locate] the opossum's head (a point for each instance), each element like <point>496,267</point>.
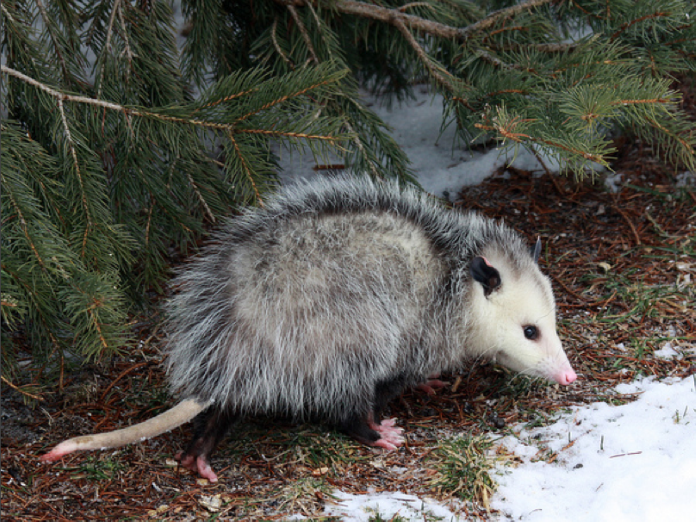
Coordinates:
<point>514,317</point>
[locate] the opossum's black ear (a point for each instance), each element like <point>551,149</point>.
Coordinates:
<point>483,272</point>
<point>536,251</point>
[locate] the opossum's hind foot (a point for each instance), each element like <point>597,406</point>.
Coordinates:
<point>211,426</point>
<point>198,464</point>
<point>383,435</point>
<point>390,436</point>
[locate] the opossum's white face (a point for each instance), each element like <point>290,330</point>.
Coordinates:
<point>515,320</point>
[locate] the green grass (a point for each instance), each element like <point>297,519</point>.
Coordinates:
<point>96,468</point>
<point>462,467</point>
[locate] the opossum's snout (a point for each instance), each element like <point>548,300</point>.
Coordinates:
<point>548,362</point>
<point>517,320</point>
<point>565,377</point>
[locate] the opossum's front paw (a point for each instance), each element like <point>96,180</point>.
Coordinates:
<point>198,464</point>
<point>391,436</point>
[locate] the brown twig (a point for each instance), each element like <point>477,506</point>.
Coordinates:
<point>119,377</point>
<point>20,390</point>
<point>630,223</point>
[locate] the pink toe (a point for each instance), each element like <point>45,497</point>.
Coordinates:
<point>383,443</point>
<point>205,471</point>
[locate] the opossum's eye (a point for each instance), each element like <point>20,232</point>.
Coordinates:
<point>531,332</point>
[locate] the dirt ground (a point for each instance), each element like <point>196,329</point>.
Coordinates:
<point>623,266</point>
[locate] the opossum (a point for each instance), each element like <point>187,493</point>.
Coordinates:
<point>332,299</point>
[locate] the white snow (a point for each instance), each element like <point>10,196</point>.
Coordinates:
<point>635,462</point>
<point>441,163</point>
<point>614,182</point>
<point>359,508</point>
<point>630,463</point>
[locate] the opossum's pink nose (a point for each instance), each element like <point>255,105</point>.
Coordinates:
<point>566,377</point>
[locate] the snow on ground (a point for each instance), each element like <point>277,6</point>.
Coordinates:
<point>635,462</point>
<point>442,164</point>
<point>359,508</point>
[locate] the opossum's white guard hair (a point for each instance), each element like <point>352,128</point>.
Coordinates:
<point>335,297</point>
<point>337,284</point>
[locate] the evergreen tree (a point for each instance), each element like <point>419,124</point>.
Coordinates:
<point>118,144</point>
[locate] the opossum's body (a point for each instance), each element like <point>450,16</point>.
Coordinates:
<point>334,298</point>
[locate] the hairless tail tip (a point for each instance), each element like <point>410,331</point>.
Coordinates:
<point>62,449</point>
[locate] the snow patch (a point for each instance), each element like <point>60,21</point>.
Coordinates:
<point>631,462</point>
<point>363,508</point>
<point>614,182</point>
<point>441,163</point>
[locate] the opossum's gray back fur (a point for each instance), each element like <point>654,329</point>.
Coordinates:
<point>303,306</point>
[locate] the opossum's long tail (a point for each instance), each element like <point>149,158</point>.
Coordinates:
<point>170,419</point>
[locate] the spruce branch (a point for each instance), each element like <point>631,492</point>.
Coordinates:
<point>303,32</point>
<point>394,16</point>
<point>48,22</point>
<point>508,131</point>
<point>226,99</point>
<point>495,16</point>
<point>7,14</point>
<point>25,229</point>
<point>247,170</point>
<point>283,99</point>
<point>61,95</point>
<point>625,26</point>
<point>497,62</point>
<point>385,14</point>
<point>201,199</point>
<point>78,173</point>
<point>274,39</point>
<point>231,127</point>
<point>437,72</point>
<point>20,390</point>
<point>116,10</point>
<point>36,297</point>
<point>362,150</point>
<point>655,124</point>
<point>128,52</point>
<point>289,134</point>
